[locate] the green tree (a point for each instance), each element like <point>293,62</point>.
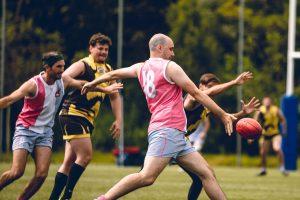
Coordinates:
<point>205,33</point>
<point>72,22</point>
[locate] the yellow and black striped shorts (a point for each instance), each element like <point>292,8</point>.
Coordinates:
<point>75,127</point>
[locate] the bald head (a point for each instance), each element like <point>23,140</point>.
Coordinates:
<point>157,39</point>
<point>161,46</point>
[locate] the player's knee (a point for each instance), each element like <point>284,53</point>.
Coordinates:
<point>147,180</point>
<point>195,177</point>
<point>17,173</point>
<point>212,172</point>
<point>84,160</point>
<point>41,175</point>
<point>208,173</point>
<point>87,159</point>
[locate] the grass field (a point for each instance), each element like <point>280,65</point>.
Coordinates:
<point>238,184</point>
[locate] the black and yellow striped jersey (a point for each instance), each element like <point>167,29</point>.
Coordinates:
<point>269,120</point>
<point>86,105</point>
<point>195,117</point>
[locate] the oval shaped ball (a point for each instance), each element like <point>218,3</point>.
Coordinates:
<point>249,128</point>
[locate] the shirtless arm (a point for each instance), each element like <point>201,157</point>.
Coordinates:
<point>217,89</point>
<point>248,108</point>
<point>77,69</point>
<point>28,89</point>
<point>190,102</point>
<point>177,75</point>
<point>123,73</point>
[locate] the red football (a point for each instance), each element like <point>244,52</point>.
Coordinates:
<point>248,128</point>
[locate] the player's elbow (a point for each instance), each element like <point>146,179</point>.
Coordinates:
<point>208,174</point>
<point>197,94</point>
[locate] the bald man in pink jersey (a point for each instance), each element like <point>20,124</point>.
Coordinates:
<point>162,82</point>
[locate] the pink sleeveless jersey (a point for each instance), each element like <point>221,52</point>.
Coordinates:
<point>164,97</point>
<point>38,112</point>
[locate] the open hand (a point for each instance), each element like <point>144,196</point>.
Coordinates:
<point>243,77</point>
<point>113,88</point>
<point>227,120</point>
<point>115,129</point>
<point>251,106</point>
<point>89,86</point>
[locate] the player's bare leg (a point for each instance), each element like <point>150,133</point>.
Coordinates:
<point>17,168</point>
<point>69,159</point>
<point>42,158</point>
<point>82,148</point>
<point>197,164</point>
<point>153,166</point>
<point>276,145</point>
<point>264,147</point>
<point>62,174</point>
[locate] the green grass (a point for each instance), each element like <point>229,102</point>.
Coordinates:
<point>238,184</point>
<point>57,157</point>
<point>213,159</point>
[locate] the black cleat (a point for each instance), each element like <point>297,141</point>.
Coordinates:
<point>262,173</point>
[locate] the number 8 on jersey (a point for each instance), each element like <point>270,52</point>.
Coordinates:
<point>149,87</point>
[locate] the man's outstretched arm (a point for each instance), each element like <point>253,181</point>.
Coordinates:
<point>190,102</point>
<point>123,73</point>
<point>217,89</point>
<point>27,89</point>
<point>177,75</point>
<point>248,108</point>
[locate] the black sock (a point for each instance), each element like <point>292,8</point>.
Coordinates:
<point>59,184</point>
<point>75,173</point>
<point>196,186</point>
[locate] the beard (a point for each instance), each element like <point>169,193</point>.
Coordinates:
<point>58,76</point>
<point>55,77</point>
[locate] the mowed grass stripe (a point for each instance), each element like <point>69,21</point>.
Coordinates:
<point>238,183</point>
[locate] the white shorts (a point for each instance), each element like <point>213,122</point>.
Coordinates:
<point>168,142</point>
<point>27,139</point>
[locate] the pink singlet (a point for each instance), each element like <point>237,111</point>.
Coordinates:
<point>164,97</point>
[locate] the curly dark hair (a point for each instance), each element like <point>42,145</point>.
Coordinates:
<point>100,39</point>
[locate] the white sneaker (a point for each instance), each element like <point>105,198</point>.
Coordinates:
<point>283,171</point>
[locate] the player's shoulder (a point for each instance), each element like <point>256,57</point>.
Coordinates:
<point>171,62</point>
<point>136,68</point>
<point>85,59</point>
<point>137,65</point>
<point>172,65</point>
<point>262,108</point>
<point>79,63</point>
<point>30,86</point>
<point>274,108</point>
<point>32,82</point>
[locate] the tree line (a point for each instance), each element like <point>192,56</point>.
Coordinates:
<point>205,33</point>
